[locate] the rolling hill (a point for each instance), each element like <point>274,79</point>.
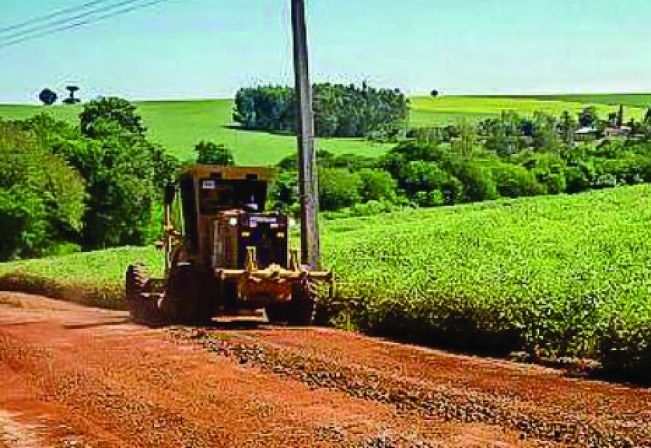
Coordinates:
<point>179,125</point>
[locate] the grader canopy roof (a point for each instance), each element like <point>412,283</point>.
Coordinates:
<point>224,188</point>
<point>230,173</point>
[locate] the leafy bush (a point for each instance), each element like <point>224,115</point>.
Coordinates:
<point>477,180</point>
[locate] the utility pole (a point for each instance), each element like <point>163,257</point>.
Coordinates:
<point>308,179</point>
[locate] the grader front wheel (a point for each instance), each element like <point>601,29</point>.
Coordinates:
<point>299,311</point>
<point>302,307</point>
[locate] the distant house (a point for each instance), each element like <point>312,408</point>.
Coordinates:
<point>614,131</point>
<point>586,134</point>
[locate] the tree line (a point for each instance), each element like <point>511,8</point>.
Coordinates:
<point>340,110</point>
<point>507,156</point>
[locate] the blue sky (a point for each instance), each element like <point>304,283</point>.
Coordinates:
<point>209,48</point>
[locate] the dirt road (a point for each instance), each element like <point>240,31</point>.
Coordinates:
<point>80,377</point>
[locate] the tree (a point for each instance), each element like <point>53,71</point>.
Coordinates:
<point>125,174</point>
<point>504,135</point>
<point>620,116</point>
<point>41,195</point>
<point>48,97</point>
<point>589,117</point>
<point>340,111</point>
<point>72,99</point>
<point>434,93</point>
<point>465,145</point>
<point>209,153</point>
<point>545,135</point>
<point>567,126</point>
<point>647,116</point>
<point>108,116</point>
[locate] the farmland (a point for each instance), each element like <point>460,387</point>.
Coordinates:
<point>179,125</point>
<point>547,275</point>
<point>428,110</point>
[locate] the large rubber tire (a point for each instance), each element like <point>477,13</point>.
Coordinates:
<point>302,307</point>
<point>278,313</point>
<point>188,297</point>
<point>142,303</point>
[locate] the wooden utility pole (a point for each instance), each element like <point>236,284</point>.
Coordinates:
<point>308,179</point>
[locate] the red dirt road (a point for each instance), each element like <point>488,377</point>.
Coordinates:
<point>80,377</point>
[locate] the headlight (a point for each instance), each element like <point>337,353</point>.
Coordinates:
<point>232,222</point>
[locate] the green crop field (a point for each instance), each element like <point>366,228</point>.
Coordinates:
<point>641,100</point>
<point>179,125</point>
<point>428,110</point>
<point>558,275</point>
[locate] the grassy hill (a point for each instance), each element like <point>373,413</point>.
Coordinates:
<point>563,275</point>
<point>179,125</point>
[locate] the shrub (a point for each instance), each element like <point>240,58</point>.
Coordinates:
<point>338,188</point>
<point>427,177</point>
<point>515,181</point>
<point>477,180</point>
<point>377,185</point>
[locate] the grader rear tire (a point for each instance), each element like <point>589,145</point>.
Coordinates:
<point>187,300</point>
<point>141,301</point>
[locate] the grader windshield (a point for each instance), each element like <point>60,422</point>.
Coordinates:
<point>218,195</point>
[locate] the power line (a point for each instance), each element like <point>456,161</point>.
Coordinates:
<point>66,20</point>
<point>52,15</point>
<point>79,23</point>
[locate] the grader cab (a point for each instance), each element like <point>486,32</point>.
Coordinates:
<point>224,254</point>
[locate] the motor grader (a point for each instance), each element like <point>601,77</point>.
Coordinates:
<point>224,254</point>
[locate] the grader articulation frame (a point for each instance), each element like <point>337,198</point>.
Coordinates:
<point>228,254</point>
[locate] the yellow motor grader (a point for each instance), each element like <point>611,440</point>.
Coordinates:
<point>227,254</point>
